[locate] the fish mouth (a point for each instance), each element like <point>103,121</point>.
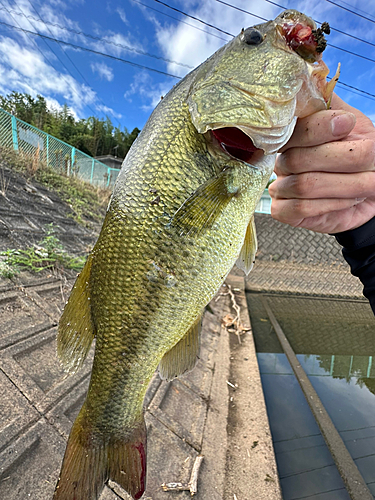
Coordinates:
<point>235,143</point>
<point>302,36</point>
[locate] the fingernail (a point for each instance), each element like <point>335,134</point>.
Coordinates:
<point>342,124</point>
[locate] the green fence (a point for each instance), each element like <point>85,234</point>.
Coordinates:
<point>65,159</point>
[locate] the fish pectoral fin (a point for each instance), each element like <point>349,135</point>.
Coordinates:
<point>204,206</point>
<point>249,248</point>
<point>183,356</point>
<point>76,327</point>
<point>92,458</point>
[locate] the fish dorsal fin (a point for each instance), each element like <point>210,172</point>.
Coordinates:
<point>246,258</point>
<point>204,206</point>
<point>183,356</point>
<point>76,327</point>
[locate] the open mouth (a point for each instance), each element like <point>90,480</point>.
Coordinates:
<point>235,142</point>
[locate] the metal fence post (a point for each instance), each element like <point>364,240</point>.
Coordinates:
<point>92,170</point>
<point>369,366</point>
<point>14,133</point>
<point>47,148</point>
<point>73,157</point>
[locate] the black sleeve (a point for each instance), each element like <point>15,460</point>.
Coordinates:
<point>359,252</point>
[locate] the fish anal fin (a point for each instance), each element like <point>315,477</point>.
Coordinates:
<point>183,356</point>
<point>91,458</point>
<point>249,248</point>
<point>205,205</point>
<point>76,327</point>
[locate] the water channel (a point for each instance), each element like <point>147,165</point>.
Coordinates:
<point>334,341</point>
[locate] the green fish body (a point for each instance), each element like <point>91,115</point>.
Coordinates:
<point>179,218</point>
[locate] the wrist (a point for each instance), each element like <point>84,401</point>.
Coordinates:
<point>359,237</point>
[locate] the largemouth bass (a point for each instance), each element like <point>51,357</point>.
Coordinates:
<point>180,216</point>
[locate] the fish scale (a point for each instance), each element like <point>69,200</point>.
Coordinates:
<point>179,217</point>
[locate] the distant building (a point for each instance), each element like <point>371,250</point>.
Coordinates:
<point>264,205</point>
<point>110,160</point>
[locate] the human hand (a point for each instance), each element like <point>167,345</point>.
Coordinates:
<point>326,172</point>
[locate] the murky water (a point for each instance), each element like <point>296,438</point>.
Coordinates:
<point>334,341</point>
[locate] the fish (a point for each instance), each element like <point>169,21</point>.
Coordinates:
<point>180,216</point>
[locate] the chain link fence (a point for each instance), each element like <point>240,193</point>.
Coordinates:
<point>298,261</point>
<point>63,158</point>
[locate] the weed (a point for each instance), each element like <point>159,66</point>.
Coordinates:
<point>4,183</point>
<point>35,162</point>
<point>7,270</point>
<point>47,254</point>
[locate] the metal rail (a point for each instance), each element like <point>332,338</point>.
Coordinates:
<point>353,480</point>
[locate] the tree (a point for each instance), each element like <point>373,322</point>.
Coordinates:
<point>94,136</point>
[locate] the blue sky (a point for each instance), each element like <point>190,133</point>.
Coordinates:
<point>95,85</point>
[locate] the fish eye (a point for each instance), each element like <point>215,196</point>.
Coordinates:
<point>251,36</point>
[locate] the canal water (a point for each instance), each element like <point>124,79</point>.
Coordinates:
<point>334,341</point>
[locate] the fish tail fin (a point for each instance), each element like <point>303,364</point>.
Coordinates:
<point>127,461</point>
<point>84,468</point>
<point>91,459</point>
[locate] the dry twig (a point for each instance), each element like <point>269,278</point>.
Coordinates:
<point>192,485</point>
<point>233,324</point>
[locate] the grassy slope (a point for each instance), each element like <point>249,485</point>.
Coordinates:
<point>88,202</point>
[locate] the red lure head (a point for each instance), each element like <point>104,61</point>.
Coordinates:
<point>302,37</point>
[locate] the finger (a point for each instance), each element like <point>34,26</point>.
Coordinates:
<point>324,185</point>
<point>339,220</point>
<point>294,212</point>
<point>320,128</point>
<point>343,156</point>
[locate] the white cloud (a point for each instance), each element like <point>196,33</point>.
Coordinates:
<point>149,93</point>
<point>24,69</point>
<point>119,44</point>
<point>108,111</point>
<point>122,15</point>
<point>46,20</point>
<point>54,105</point>
<point>103,71</point>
